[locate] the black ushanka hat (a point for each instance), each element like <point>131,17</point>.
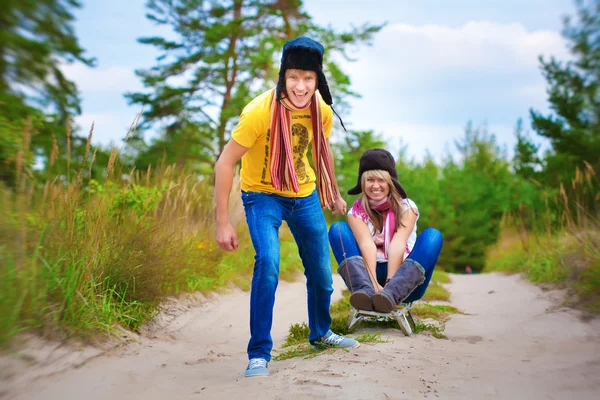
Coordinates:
<point>377,159</point>
<point>306,54</point>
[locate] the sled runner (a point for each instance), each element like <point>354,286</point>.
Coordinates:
<point>401,314</point>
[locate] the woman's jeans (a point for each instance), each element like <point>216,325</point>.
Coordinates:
<point>426,250</point>
<point>264,214</point>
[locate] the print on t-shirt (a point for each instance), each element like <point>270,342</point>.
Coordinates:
<point>300,137</point>
<point>302,133</point>
<point>263,176</point>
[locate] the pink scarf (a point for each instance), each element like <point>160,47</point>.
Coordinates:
<point>389,222</point>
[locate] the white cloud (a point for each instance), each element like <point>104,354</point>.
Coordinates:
<point>422,83</point>
<point>423,49</point>
<point>102,79</point>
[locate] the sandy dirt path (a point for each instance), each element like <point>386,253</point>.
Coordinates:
<point>513,343</point>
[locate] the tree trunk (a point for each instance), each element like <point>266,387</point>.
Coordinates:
<point>230,73</point>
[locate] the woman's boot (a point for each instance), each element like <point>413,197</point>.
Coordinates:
<point>356,276</point>
<point>406,279</point>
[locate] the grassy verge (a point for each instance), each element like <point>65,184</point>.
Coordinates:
<point>440,276</point>
<point>82,258</point>
<point>435,290</point>
<point>296,343</point>
<point>568,259</point>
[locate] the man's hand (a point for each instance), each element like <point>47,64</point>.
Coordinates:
<point>339,206</point>
<point>226,237</point>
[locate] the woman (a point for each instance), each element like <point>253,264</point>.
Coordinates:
<point>379,255</point>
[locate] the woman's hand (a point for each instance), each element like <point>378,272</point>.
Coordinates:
<point>376,286</point>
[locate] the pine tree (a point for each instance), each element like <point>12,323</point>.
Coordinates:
<point>222,54</point>
<point>526,161</point>
<point>574,96</point>
<point>476,189</point>
<point>36,38</point>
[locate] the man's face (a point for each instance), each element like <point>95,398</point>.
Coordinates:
<point>300,85</point>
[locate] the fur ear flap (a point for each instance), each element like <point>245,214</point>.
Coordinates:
<point>324,88</point>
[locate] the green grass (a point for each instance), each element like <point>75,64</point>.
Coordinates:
<point>565,259</point>
<point>440,276</point>
<point>304,350</point>
<point>439,312</point>
<point>436,291</point>
<point>296,344</point>
<point>85,258</point>
<point>436,331</point>
<point>60,297</point>
<point>298,335</point>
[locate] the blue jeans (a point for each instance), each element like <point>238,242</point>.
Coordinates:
<point>264,215</point>
<point>426,251</point>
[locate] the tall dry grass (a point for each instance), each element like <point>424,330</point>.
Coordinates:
<point>566,252</point>
<point>80,256</point>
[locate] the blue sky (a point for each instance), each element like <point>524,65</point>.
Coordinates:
<point>435,66</point>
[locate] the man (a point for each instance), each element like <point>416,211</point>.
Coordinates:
<point>278,183</point>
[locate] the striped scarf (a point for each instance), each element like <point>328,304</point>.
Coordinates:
<point>283,173</point>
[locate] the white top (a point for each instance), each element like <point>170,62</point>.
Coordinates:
<point>406,205</point>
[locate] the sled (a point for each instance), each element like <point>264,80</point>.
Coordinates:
<point>401,314</point>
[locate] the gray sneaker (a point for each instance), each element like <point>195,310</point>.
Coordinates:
<point>332,339</point>
<point>257,367</point>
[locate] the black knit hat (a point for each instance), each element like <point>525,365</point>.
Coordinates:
<point>306,54</point>
<point>378,159</point>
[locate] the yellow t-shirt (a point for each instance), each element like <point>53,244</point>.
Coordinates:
<point>253,132</point>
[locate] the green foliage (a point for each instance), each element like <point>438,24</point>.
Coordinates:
<point>298,334</point>
<point>574,93</point>
<point>224,53</point>
<point>135,199</point>
<point>36,39</point>
<point>11,138</point>
<point>526,160</point>
<point>464,198</point>
<point>187,146</point>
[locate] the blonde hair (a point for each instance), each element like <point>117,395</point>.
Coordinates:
<point>375,216</point>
